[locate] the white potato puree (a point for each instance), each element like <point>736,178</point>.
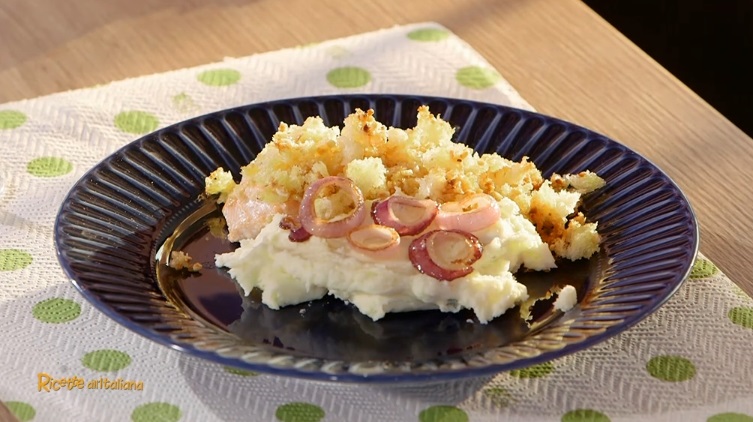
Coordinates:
<point>289,273</point>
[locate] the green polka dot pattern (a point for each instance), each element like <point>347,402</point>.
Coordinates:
<point>476,77</point>
<point>14,259</point>
<point>136,122</point>
<point>219,77</point>
<point>499,396</point>
<point>535,371</point>
<point>156,412</point>
<point>338,52</point>
<point>241,372</point>
<point>299,412</point>
<point>730,417</point>
<point>49,167</point>
<point>584,415</point>
<point>740,292</point>
<point>11,119</point>
<point>702,268</point>
<point>22,411</point>
<point>348,77</point>
<point>56,310</point>
<point>184,103</point>
<point>443,414</point>
<point>428,34</point>
<point>742,316</point>
<point>106,360</point>
<point>671,368</point>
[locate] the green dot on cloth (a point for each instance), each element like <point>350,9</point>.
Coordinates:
<point>730,417</point>
<point>535,371</point>
<point>476,77</point>
<point>56,310</point>
<point>671,368</point>
<point>338,51</point>
<point>156,412</point>
<point>498,396</point>
<point>740,292</point>
<point>136,122</point>
<point>428,34</point>
<point>49,167</point>
<point>22,411</point>
<point>184,103</point>
<point>348,77</point>
<point>241,372</point>
<point>741,315</point>
<point>219,77</point>
<point>584,415</point>
<point>703,268</point>
<point>443,414</point>
<point>14,259</point>
<point>299,412</point>
<point>11,119</point>
<point>106,360</point>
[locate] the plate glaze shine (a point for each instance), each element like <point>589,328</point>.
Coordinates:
<point>113,222</point>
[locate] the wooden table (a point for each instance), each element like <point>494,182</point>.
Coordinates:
<point>562,57</point>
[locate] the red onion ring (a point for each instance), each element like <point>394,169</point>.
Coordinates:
<point>408,216</point>
<point>374,238</point>
<point>445,254</point>
<point>472,214</point>
<point>329,229</point>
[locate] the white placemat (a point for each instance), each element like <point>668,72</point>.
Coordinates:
<point>690,361</point>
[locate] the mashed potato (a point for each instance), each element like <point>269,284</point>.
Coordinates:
<point>289,273</point>
<point>536,221</point>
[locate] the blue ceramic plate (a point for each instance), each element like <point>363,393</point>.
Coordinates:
<point>122,218</point>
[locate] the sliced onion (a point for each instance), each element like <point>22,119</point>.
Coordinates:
<point>472,214</point>
<point>297,232</point>
<point>336,228</point>
<point>445,254</point>
<point>374,238</point>
<point>408,216</point>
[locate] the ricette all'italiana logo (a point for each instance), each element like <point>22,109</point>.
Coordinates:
<point>48,383</point>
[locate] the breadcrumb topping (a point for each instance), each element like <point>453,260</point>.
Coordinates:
<point>422,162</point>
<point>182,261</point>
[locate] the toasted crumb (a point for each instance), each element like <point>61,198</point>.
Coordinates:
<point>217,227</point>
<point>369,174</point>
<point>219,182</point>
<point>578,240</point>
<point>422,162</point>
<point>527,306</point>
<point>566,299</point>
<point>554,213</point>
<point>182,261</point>
<point>583,182</point>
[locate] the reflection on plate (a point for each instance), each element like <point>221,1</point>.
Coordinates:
<point>124,216</point>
